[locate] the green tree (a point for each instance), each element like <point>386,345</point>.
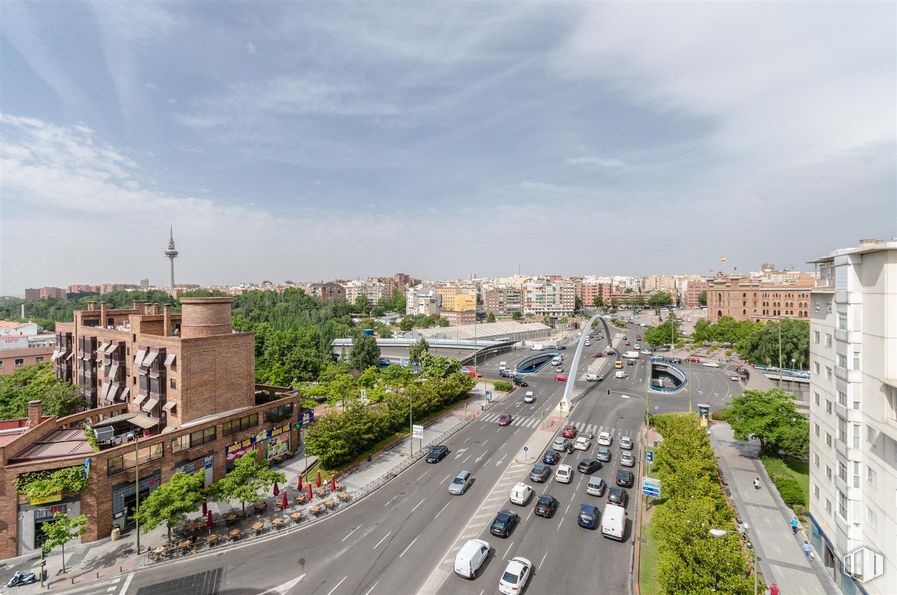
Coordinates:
<point>248,477</point>
<point>577,303</point>
<point>37,382</point>
<point>417,351</point>
<point>780,343</point>
<point>659,299</point>
<point>365,352</point>
<point>490,317</point>
<point>702,298</point>
<point>61,530</point>
<point>771,418</point>
<point>598,302</point>
<point>361,304</point>
<point>171,502</point>
<point>662,334</point>
<point>516,315</point>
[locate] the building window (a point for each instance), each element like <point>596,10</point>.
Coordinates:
<point>828,372</point>
<point>816,459</point>
<point>202,437</point>
<point>828,505</point>
<point>828,472</point>
<point>856,474</point>
<point>828,439</point>
<point>238,425</point>
<point>816,336</point>
<point>842,505</point>
<point>180,443</point>
<point>174,383</point>
<point>871,476</point>
<point>40,359</point>
<point>816,429</point>
<point>816,397</point>
<point>842,471</point>
<point>842,431</point>
<point>842,321</point>
<point>856,360</point>
<point>828,340</point>
<point>842,360</point>
<point>828,406</point>
<point>856,435</point>
<point>815,490</point>
<point>871,518</point>
<point>816,367</point>
<point>20,362</point>
<point>842,398</point>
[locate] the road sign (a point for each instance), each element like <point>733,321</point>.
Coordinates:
<point>417,432</point>
<point>646,491</point>
<point>650,456</point>
<point>651,487</point>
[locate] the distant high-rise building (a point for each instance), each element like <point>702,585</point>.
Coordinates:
<point>171,253</point>
<point>45,293</point>
<point>144,284</point>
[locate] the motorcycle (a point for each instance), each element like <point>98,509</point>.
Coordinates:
<point>19,579</point>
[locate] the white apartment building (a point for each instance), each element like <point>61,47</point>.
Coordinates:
<point>549,298</point>
<point>373,290</point>
<point>853,416</point>
<point>422,300</point>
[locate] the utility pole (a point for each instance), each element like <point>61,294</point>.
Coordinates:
<point>137,486</point>
<point>780,353</point>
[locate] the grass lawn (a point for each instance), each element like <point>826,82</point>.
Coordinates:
<point>799,471</point>
<point>648,562</point>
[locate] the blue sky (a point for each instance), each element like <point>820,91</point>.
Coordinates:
<point>309,141</point>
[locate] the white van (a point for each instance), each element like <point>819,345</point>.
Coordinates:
<point>594,377</point>
<point>521,493</point>
<point>631,355</point>
<point>471,558</point>
<point>620,374</point>
<point>556,361</point>
<point>613,522</point>
<point>502,365</point>
<point>537,347</point>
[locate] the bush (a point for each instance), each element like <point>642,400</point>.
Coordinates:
<point>790,491</point>
<point>721,415</point>
<point>504,386</point>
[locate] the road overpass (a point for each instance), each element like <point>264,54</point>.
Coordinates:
<point>396,350</point>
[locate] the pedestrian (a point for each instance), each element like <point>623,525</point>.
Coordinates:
<point>794,525</point>
<point>773,589</point>
<point>808,550</point>
<point>756,483</point>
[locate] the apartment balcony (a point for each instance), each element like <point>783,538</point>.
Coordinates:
<point>841,448</point>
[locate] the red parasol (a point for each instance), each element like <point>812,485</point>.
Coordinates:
<point>309,493</point>
<point>283,501</point>
<point>209,521</point>
<point>318,480</point>
<point>333,483</point>
<point>299,482</point>
<point>276,489</point>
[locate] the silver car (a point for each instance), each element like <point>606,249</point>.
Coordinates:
<point>626,459</point>
<point>625,442</point>
<point>461,482</point>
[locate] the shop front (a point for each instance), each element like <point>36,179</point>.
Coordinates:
<point>275,443</point>
<point>124,499</point>
<point>32,517</point>
<point>278,442</point>
<point>201,465</point>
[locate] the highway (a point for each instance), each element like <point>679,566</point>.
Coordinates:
<point>402,538</point>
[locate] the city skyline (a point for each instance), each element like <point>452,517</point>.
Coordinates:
<point>343,141</point>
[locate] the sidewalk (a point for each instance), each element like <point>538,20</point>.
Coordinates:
<point>781,558</point>
<point>104,559</point>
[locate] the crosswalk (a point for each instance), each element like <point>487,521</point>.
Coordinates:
<point>524,421</point>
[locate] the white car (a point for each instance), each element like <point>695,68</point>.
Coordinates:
<point>604,439</point>
<point>637,346</point>
<point>521,493</point>
<point>529,397</point>
<point>625,442</point>
<point>515,576</point>
<point>735,377</point>
<point>582,443</point>
<point>710,364</point>
<point>646,352</point>
<point>563,474</point>
<point>626,459</point>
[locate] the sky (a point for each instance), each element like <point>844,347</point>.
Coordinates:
<point>315,140</point>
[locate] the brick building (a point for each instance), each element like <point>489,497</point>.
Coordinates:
<point>174,392</point>
<point>327,292</point>
<point>589,291</point>
<point>744,298</point>
<point>45,293</point>
<point>691,295</point>
<point>502,301</point>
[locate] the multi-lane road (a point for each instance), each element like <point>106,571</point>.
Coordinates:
<point>402,538</point>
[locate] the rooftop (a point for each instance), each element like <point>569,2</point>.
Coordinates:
<point>60,443</point>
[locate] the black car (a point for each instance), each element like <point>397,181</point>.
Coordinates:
<point>546,506</point>
<point>504,523</point>
<point>618,496</point>
<point>625,478</point>
<point>588,466</point>
<point>551,457</point>
<point>504,373</point>
<point>630,362</point>
<point>562,347</point>
<point>437,453</point>
<point>540,473</point>
<point>519,381</point>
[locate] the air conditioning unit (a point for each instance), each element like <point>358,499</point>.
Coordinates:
<point>864,564</point>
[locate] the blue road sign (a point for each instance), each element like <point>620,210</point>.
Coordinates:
<point>649,491</point>
<point>650,456</point>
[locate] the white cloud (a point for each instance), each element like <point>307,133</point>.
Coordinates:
<point>596,161</point>
<point>151,87</point>
<point>250,47</point>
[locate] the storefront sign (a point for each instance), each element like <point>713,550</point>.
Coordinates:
<point>45,499</point>
<point>47,512</point>
<point>194,465</point>
<point>123,491</point>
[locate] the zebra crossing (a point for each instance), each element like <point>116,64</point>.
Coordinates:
<point>524,421</point>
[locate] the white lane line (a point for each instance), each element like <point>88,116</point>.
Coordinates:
<point>422,475</point>
<point>530,513</point>
<point>515,431</point>
<point>349,534</point>
<point>409,547</point>
<point>562,521</point>
<point>418,505</point>
<point>542,561</point>
<point>390,501</point>
<point>508,551</point>
<point>484,442</point>
<point>483,591</point>
<point>124,587</point>
<point>467,457</point>
<point>444,478</point>
<point>337,585</point>
<point>382,539</point>
<point>566,510</point>
<point>466,439</point>
<point>368,592</point>
<point>441,510</point>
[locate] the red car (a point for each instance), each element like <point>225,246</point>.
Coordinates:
<point>599,354</point>
<point>569,431</point>
<point>560,377</point>
<point>504,419</point>
<point>694,359</point>
<point>472,372</point>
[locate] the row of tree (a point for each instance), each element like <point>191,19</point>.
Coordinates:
<point>691,559</point>
<point>37,382</point>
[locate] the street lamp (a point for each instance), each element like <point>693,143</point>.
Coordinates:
<point>723,533</point>
<point>137,487</point>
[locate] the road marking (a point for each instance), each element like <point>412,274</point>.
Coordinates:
<point>515,431</point>
<point>422,475</point>
<point>390,501</point>
<point>349,534</point>
<point>530,513</point>
<point>382,539</point>
<point>368,592</point>
<point>110,589</point>
<point>461,451</point>
<point>442,510</point>
<point>278,590</point>
<point>466,439</point>
<point>562,521</point>
<point>444,478</point>
<point>508,551</point>
<point>542,561</point>
<point>409,547</point>
<point>418,505</point>
<point>567,509</point>
<point>337,585</point>
<point>467,457</point>
<point>484,442</point>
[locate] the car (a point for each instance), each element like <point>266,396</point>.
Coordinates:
<point>710,364</point>
<point>472,372</point>
<point>529,397</point>
<point>588,466</point>
<point>627,459</point>
<point>518,381</point>
<point>504,419</point>
<point>625,442</point>
<point>599,354</point>
<point>546,506</point>
<point>646,352</point>
<point>694,359</point>
<point>636,346</point>
<point>625,338</point>
<point>735,377</point>
<point>560,378</point>
<point>561,444</point>
<point>504,373</point>
<point>618,496</point>
<point>588,516</point>
<point>540,473</point>
<point>461,482</point>
<point>569,431</point>
<point>638,337</point>
<point>563,474</point>
<point>521,493</point>
<point>515,576</point>
<point>603,454</point>
<point>596,486</point>
<point>618,365</point>
<point>582,443</point>
<point>437,453</point>
<point>551,458</point>
<point>630,362</point>
<point>626,343</point>
<point>471,557</point>
<point>562,347</point>
<point>674,360</point>
<point>605,439</point>
<point>625,478</point>
<point>559,369</point>
<point>504,523</point>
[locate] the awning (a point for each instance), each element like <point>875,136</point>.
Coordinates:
<point>169,406</point>
<point>113,392</point>
<point>111,348</point>
<point>56,355</point>
<point>106,387</point>
<point>103,434</point>
<point>151,404</point>
<point>138,359</point>
<point>113,420</point>
<point>169,359</point>
<point>103,347</point>
<point>125,393</point>
<point>150,358</point>
<point>68,356</point>
<point>138,400</point>
<point>142,421</point>
<point>113,371</point>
